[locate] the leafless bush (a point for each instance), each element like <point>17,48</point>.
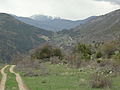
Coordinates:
<point>100,81</point>
<point>31,73</point>
<point>76,62</point>
<point>109,66</point>
<point>55,60</point>
<point>32,67</point>
<point>71,60</point>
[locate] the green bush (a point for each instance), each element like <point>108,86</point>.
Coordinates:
<point>99,60</point>
<point>98,55</point>
<point>57,52</point>
<point>46,51</point>
<point>84,50</point>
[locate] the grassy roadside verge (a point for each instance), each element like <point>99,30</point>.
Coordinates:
<point>11,83</point>
<point>60,78</point>
<point>63,78</point>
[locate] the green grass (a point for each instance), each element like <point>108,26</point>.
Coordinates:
<point>63,78</point>
<point>116,83</point>
<point>11,83</point>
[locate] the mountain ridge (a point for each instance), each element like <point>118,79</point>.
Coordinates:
<point>50,23</point>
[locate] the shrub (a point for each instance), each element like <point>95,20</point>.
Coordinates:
<point>57,52</point>
<point>98,55</point>
<point>99,60</point>
<point>100,81</point>
<point>46,51</point>
<point>84,50</point>
<point>109,67</point>
<point>109,49</point>
<point>116,57</point>
<point>55,60</point>
<point>43,52</point>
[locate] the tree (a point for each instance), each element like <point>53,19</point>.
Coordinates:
<point>46,51</point>
<point>84,50</point>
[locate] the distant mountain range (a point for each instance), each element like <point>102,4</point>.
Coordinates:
<point>51,23</point>
<point>16,36</point>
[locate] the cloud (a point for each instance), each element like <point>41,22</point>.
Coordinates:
<point>112,1</point>
<point>69,9</point>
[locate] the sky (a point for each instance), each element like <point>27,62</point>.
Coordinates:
<point>68,9</point>
<point>112,1</point>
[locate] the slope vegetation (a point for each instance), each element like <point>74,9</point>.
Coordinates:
<point>16,36</point>
<point>101,28</point>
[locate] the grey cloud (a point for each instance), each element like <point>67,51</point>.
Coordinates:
<point>112,1</point>
<point>69,9</point>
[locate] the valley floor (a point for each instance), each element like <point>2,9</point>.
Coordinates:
<point>58,77</point>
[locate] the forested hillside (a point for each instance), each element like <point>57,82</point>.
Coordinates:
<point>17,37</point>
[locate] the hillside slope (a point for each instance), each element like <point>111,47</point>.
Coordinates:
<point>102,28</point>
<point>16,36</point>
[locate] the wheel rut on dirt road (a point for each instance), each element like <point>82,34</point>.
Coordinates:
<point>19,80</point>
<point>4,78</point>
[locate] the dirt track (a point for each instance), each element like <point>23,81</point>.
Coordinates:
<point>18,79</point>
<point>4,78</point>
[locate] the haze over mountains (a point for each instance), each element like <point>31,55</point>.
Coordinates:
<point>51,23</point>
<point>20,37</point>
